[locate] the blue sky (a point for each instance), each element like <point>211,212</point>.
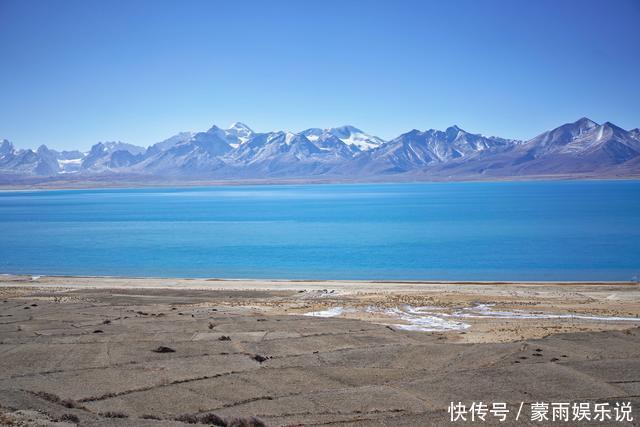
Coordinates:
<point>76,72</point>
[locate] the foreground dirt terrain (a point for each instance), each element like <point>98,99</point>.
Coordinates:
<point>96,351</point>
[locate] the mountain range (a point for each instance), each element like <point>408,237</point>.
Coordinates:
<point>580,149</point>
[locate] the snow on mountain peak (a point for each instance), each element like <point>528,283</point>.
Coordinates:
<point>112,146</point>
<point>351,135</point>
<point>289,137</point>
<point>240,132</point>
<point>239,152</point>
<point>239,126</point>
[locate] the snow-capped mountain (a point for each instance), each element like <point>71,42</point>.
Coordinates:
<point>198,154</point>
<point>276,154</point>
<point>419,149</point>
<point>581,148</point>
<point>169,142</point>
<point>240,132</point>
<point>14,162</point>
<point>561,138</point>
<point>351,136</point>
<point>105,156</point>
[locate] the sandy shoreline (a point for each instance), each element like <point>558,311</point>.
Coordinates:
<point>274,284</point>
<point>306,352</point>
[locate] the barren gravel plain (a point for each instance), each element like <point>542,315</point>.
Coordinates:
<point>125,351</point>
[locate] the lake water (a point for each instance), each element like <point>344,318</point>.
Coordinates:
<point>570,230</point>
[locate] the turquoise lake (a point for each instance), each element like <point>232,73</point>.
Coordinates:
<point>566,230</point>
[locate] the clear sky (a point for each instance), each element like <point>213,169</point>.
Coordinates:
<point>73,73</point>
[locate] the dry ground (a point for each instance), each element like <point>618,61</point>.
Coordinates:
<point>81,350</point>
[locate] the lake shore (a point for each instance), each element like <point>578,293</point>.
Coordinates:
<point>478,311</point>
<point>173,351</point>
<point>84,184</point>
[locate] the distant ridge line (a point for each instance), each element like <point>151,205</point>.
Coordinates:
<point>581,149</point>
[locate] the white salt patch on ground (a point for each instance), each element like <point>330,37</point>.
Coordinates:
<point>435,319</point>
<point>331,312</point>
<point>321,293</point>
<point>425,322</point>
<point>486,310</point>
<point>420,321</point>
